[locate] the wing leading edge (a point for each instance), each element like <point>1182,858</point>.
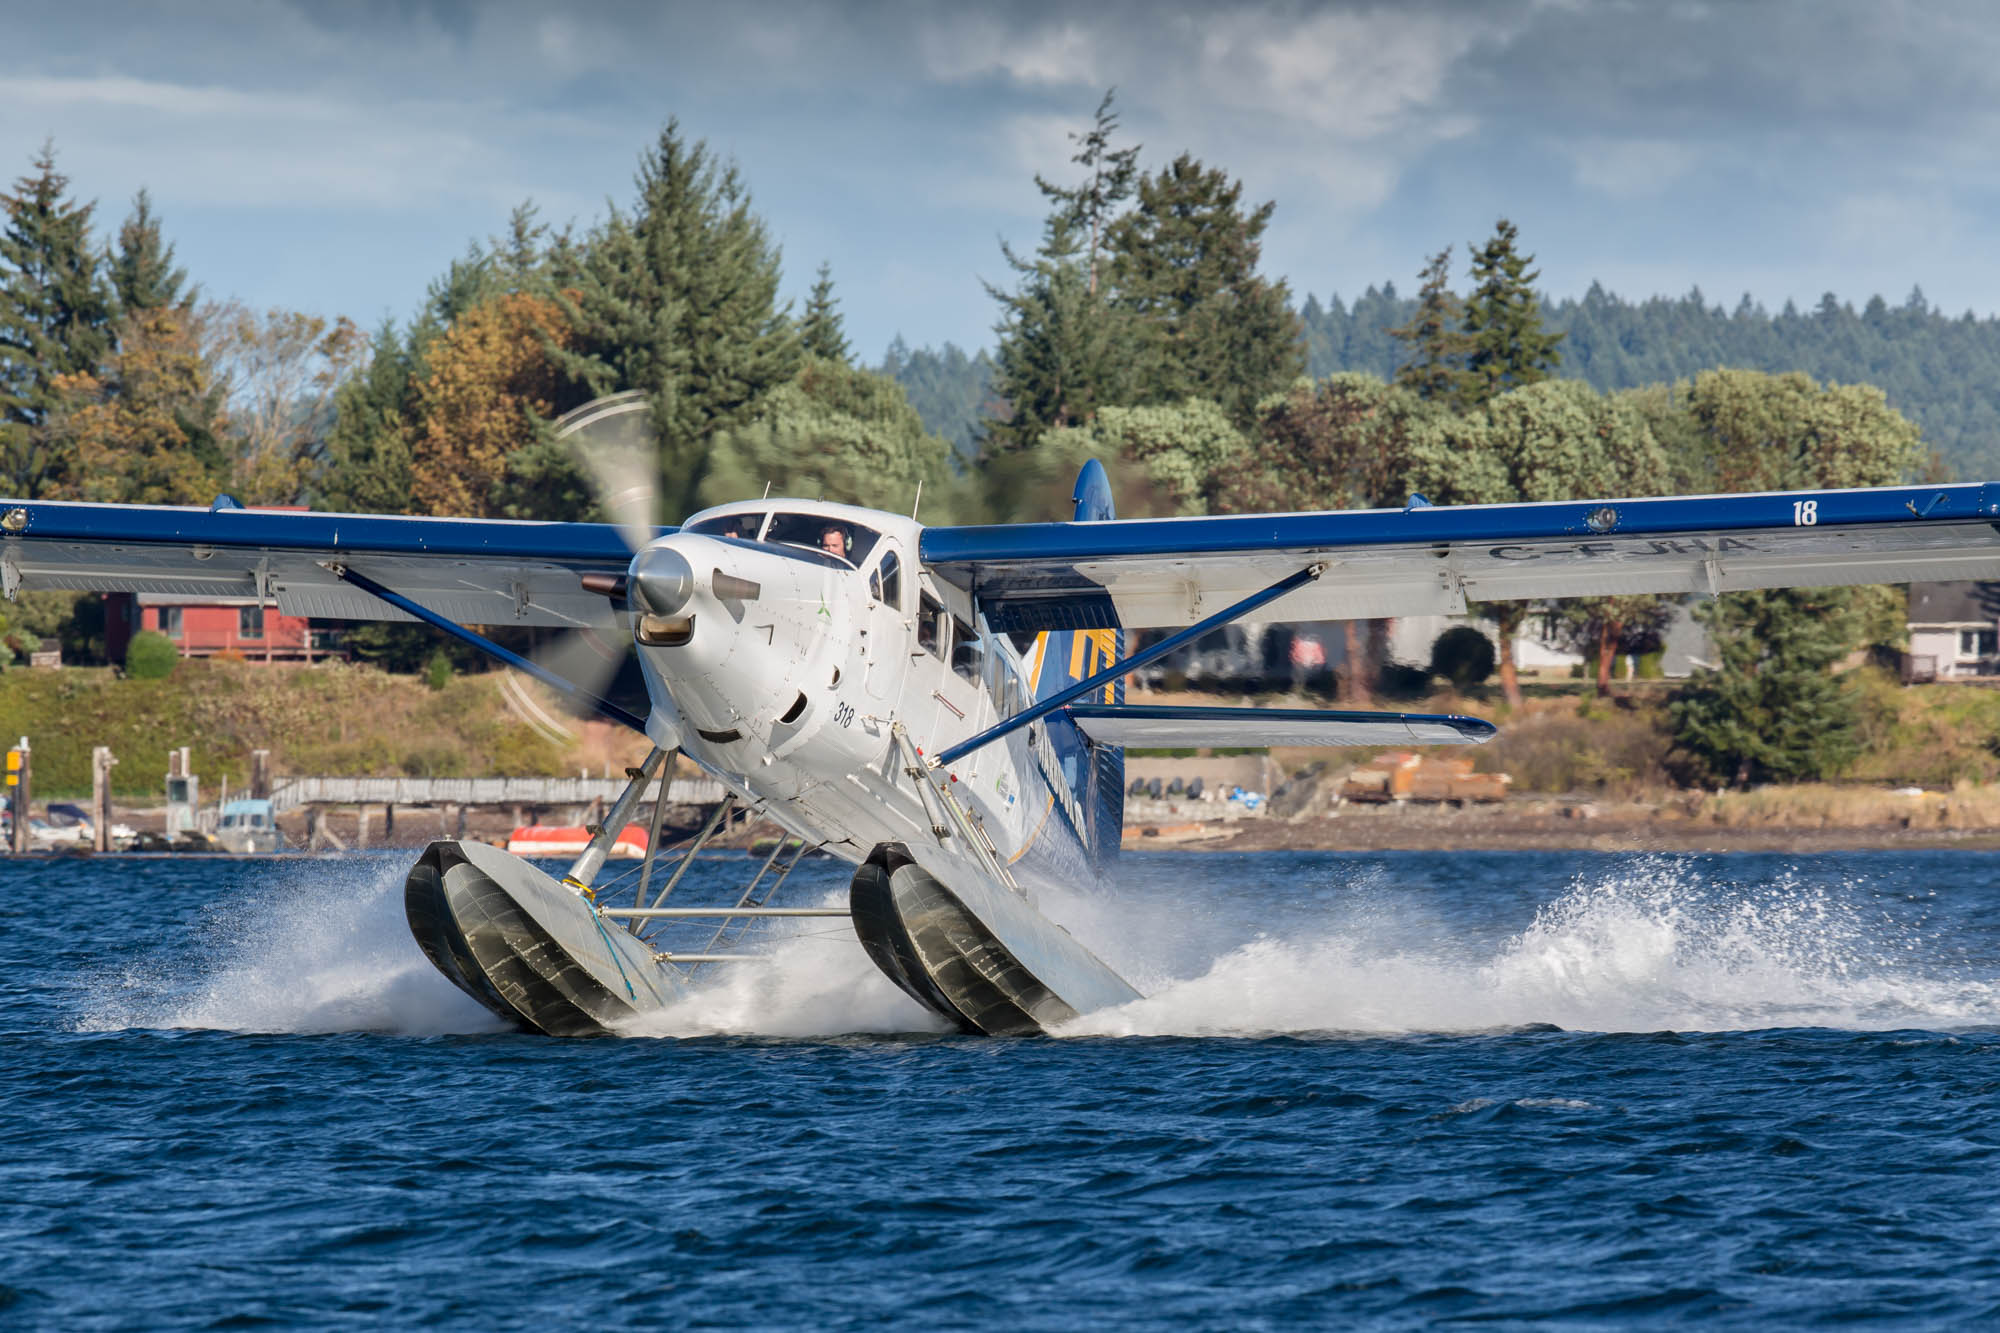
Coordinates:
<point>1432,560</point>
<point>474,571</point>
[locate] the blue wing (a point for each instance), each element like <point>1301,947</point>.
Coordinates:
<point>1430,560</point>
<point>474,571</point>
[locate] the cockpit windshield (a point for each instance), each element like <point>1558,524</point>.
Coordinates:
<point>842,541</point>
<point>743,527</point>
<point>836,537</point>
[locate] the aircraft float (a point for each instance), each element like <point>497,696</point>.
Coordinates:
<point>941,707</point>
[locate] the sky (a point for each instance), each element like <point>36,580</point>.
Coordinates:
<point>335,155</point>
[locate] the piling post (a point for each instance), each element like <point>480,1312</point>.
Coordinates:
<point>101,760</point>
<point>20,789</point>
<point>361,827</point>
<point>260,772</point>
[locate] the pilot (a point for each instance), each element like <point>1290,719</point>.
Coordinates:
<point>833,540</point>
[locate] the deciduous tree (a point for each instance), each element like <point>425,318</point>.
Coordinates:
<point>280,370</point>
<point>487,382</point>
<point>835,432</point>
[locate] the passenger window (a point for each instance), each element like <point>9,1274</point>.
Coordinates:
<point>886,583</point>
<point>929,615</point>
<point>966,651</point>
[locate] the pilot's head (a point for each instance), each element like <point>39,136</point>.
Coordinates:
<point>833,540</point>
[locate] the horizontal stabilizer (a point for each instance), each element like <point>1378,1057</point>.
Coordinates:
<point>1156,726</point>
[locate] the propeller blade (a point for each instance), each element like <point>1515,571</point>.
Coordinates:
<point>612,440</point>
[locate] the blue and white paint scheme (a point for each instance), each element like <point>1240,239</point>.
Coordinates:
<point>943,707</point>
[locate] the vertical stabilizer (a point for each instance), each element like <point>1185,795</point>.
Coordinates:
<point>1074,654</point>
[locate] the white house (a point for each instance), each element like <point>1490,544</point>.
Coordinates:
<point>1954,631</point>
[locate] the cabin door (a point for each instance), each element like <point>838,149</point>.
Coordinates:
<point>886,625</point>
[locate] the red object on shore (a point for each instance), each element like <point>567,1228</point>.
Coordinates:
<point>570,840</point>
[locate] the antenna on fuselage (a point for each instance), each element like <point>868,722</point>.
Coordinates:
<point>919,500</point>
<point>767,490</point>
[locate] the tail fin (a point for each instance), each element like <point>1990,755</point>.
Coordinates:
<point>1068,656</point>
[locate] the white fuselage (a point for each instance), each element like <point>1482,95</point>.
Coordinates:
<point>783,669</point>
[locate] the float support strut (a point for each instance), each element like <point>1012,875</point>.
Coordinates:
<point>597,703</point>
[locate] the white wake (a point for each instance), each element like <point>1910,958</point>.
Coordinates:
<point>1645,947</point>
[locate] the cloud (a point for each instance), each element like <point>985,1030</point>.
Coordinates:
<point>1810,141</point>
<point>1057,52</point>
<point>1632,168</point>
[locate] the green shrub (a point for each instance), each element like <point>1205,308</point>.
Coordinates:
<point>1462,655</point>
<point>438,671</point>
<point>150,656</point>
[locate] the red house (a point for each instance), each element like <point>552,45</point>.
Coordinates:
<point>207,626</point>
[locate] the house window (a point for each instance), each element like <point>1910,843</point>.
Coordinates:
<point>250,622</point>
<point>1978,642</point>
<point>170,621</point>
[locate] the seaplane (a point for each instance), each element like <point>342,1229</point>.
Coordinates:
<point>941,707</point>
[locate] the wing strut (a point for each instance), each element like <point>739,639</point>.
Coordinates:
<point>1111,673</point>
<point>597,703</point>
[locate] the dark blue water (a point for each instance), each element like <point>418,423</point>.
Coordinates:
<point>1369,1090</point>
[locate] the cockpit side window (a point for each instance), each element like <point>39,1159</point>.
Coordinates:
<point>930,615</point>
<point>886,583</point>
<point>837,537</point>
<point>967,652</point>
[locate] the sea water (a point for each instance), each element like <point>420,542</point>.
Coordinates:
<point>1380,1090</point>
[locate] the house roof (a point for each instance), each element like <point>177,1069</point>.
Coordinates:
<point>1960,603</point>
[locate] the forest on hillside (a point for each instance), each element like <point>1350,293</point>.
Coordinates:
<point>1942,371</point>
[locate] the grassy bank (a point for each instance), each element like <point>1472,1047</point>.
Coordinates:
<point>1572,741</point>
<point>330,718</point>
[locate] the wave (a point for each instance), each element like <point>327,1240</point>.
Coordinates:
<point>1648,947</point>
<point>325,950</point>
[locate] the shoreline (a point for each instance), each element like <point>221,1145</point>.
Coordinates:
<point>1572,828</point>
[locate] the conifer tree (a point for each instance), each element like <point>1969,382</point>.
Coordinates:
<point>1436,342</point>
<point>1090,205</point>
<point>142,267</point>
<point>1062,352</point>
<point>368,455</point>
<point>1506,346</point>
<point>680,299</point>
<point>55,318</point>
<point>820,333</point>
<point>1184,267</point>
